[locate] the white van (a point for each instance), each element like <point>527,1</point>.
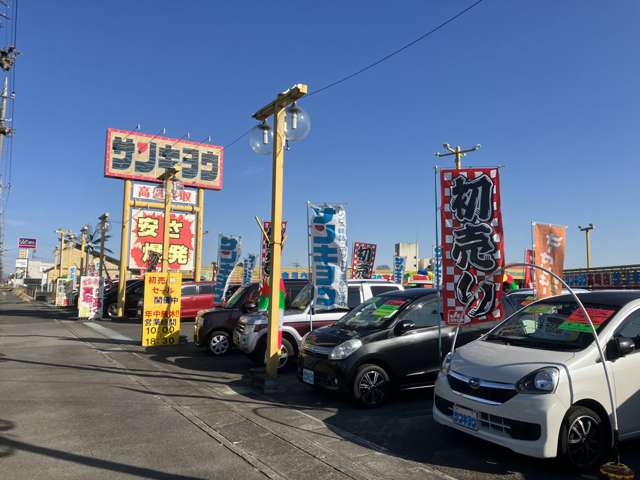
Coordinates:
<point>535,384</point>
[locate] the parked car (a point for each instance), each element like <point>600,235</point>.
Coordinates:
<point>196,296</point>
<point>250,335</point>
<point>535,384</point>
<point>390,341</point>
<point>134,291</point>
<point>213,328</point>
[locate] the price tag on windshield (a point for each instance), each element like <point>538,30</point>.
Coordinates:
<point>577,321</point>
<point>389,308</point>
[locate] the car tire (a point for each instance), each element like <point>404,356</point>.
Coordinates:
<point>219,343</point>
<point>585,438</point>
<point>370,386</point>
<point>259,355</point>
<point>112,310</point>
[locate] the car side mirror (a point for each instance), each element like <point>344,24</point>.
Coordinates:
<point>619,347</point>
<point>404,326</point>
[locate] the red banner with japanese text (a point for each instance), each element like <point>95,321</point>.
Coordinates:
<point>146,239</point>
<point>528,271</point>
<point>549,245</point>
<point>363,259</point>
<point>472,245</point>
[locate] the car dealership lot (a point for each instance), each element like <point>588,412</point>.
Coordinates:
<point>403,428</point>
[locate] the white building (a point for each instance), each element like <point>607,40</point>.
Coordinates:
<point>411,254</point>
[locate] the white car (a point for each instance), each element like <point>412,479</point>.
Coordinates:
<point>535,383</point>
<point>250,334</point>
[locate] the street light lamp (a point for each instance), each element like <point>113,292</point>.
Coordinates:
<point>290,123</point>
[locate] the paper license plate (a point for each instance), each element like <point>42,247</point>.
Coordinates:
<point>465,418</point>
<point>308,376</point>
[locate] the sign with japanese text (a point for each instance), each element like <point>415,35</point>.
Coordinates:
<point>437,264</point>
<point>141,156</point>
<point>62,292</point>
<point>22,263</point>
<point>528,271</point>
<point>399,264</point>
<point>27,243</point>
<point>23,253</point>
<point>329,250</point>
<point>161,310</point>
<point>249,264</point>
<point>183,196</point>
<point>90,297</point>
<point>229,250</point>
<point>362,262</point>
<point>472,245</point>
<point>549,245</point>
<point>265,251</point>
<point>146,239</point>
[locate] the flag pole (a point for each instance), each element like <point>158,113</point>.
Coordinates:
<point>312,282</point>
<point>438,260</point>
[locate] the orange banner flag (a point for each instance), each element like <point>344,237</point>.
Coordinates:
<point>549,245</point>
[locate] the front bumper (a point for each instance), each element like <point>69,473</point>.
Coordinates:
<point>246,341</point>
<point>534,419</point>
<point>328,374</point>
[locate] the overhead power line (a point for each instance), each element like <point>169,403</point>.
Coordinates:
<point>380,60</point>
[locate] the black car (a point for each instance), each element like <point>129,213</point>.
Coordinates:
<point>134,291</point>
<point>388,342</point>
<point>213,328</point>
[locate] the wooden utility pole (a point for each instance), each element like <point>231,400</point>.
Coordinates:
<point>587,234</point>
<point>458,152</point>
<point>104,218</point>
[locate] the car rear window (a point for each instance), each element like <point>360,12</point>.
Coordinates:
<point>378,289</point>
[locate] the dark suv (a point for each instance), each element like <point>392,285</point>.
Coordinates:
<point>389,341</point>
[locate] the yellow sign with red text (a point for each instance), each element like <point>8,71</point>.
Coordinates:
<point>161,311</point>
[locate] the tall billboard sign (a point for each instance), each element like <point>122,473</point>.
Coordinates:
<point>472,244</point>
<point>549,246</point>
<point>328,235</point>
<point>362,262</point>
<point>147,227</point>
<point>27,243</point>
<point>141,156</point>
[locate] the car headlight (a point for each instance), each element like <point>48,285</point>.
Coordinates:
<point>544,380</point>
<point>345,349</point>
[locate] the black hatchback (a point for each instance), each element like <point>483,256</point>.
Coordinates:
<point>392,341</point>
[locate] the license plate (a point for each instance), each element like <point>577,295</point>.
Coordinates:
<point>465,418</point>
<point>308,376</point>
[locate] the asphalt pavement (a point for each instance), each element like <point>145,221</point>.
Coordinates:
<point>84,399</point>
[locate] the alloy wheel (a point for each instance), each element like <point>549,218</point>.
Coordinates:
<point>583,440</point>
<point>112,310</point>
<point>284,357</point>
<point>371,387</point>
<point>219,344</point>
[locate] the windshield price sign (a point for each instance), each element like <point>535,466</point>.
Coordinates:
<point>161,311</point>
<point>472,245</point>
<point>140,156</point>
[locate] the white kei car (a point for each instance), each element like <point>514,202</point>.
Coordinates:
<point>535,384</point>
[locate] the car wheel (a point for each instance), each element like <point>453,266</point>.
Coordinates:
<point>287,355</point>
<point>219,343</point>
<point>112,310</point>
<point>584,438</point>
<point>370,385</point>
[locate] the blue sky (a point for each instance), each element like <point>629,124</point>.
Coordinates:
<point>548,88</point>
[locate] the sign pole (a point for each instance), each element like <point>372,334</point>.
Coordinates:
<point>124,247</point>
<point>168,177</point>
<point>199,222</point>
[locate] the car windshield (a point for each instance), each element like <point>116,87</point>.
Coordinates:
<point>552,325</point>
<point>302,299</point>
<point>377,312</point>
<point>235,298</point>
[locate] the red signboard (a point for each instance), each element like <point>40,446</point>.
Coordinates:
<point>141,156</point>
<point>363,259</point>
<point>472,245</point>
<point>147,228</point>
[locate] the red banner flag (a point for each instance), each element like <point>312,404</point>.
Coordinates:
<point>472,245</point>
<point>549,243</point>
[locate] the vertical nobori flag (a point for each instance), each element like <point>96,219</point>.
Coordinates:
<point>229,250</point>
<point>248,264</point>
<point>265,251</point>
<point>362,262</point>
<point>549,244</point>
<point>399,265</point>
<point>472,245</point>
<point>328,234</point>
